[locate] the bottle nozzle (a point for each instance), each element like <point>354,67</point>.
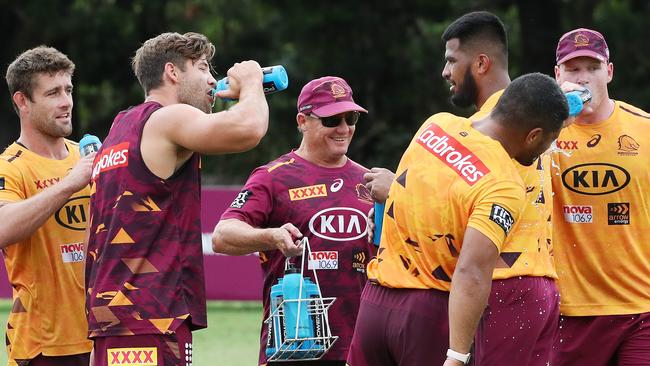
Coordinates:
<point>291,269</point>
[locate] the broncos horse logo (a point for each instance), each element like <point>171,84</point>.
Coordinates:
<point>627,143</point>
<point>363,193</point>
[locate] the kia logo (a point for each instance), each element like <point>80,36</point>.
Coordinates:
<point>595,178</point>
<point>73,214</point>
<point>339,224</point>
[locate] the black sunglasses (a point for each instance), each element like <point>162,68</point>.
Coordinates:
<point>351,118</point>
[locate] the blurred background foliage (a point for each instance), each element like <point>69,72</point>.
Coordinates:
<point>389,51</point>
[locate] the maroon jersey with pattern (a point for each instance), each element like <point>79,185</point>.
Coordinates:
<point>329,206</point>
<point>144,272</point>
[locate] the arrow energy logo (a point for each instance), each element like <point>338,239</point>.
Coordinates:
<point>618,213</point>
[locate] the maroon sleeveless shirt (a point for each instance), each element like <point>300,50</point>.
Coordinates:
<point>144,269</point>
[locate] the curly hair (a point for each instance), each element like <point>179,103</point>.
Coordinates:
<point>149,61</point>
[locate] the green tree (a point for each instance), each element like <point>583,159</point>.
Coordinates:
<point>389,51</point>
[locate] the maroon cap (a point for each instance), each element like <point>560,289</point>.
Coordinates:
<point>327,96</point>
<point>581,42</point>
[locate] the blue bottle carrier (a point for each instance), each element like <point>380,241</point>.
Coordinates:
<point>298,326</point>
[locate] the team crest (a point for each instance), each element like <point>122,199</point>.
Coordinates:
<point>580,40</point>
<point>627,146</point>
<point>337,91</point>
<point>363,193</point>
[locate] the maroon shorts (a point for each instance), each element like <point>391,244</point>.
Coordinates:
<point>400,327</point>
<point>607,340</point>
<point>82,359</point>
<point>519,324</point>
<point>146,349</point>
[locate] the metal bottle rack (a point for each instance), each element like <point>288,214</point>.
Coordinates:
<point>301,348</point>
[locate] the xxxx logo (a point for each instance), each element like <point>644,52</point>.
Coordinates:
<point>567,145</point>
<point>145,356</point>
<point>303,193</point>
<point>42,184</point>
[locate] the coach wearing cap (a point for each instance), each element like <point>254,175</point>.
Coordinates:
<point>317,192</point>
<point>601,221</point>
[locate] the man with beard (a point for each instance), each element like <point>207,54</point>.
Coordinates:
<point>524,301</point>
<point>144,273</point>
<point>455,200</point>
<point>43,205</point>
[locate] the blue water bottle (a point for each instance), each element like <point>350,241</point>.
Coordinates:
<point>89,144</point>
<point>576,100</point>
<point>275,326</point>
<point>379,221</point>
<point>296,313</point>
<point>275,79</point>
<point>315,347</point>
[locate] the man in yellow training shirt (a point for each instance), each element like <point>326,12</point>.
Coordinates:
<point>43,211</point>
<point>455,199</point>
<point>601,219</point>
<point>522,316</point>
<point>523,311</point>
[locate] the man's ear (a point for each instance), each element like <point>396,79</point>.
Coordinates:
<point>557,73</point>
<point>534,136</point>
<point>483,64</point>
<point>20,99</point>
<point>610,72</point>
<point>301,119</point>
<point>171,72</point>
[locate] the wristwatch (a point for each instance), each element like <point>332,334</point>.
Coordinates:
<point>462,357</point>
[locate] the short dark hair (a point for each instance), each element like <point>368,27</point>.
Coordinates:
<point>150,59</point>
<point>478,27</point>
<point>42,59</point>
<point>532,101</point>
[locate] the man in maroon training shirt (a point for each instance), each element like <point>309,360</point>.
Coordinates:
<point>315,191</point>
<point>144,272</point>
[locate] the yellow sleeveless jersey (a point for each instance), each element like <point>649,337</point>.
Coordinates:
<point>528,249</point>
<point>601,215</point>
<point>46,270</point>
<point>450,177</point>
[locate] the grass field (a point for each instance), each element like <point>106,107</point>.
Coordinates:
<point>231,339</point>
